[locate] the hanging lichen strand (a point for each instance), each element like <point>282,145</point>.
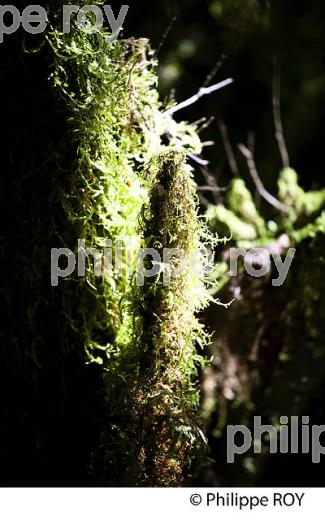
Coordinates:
<point>144,338</point>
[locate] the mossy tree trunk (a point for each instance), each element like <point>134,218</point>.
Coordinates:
<point>83,127</point>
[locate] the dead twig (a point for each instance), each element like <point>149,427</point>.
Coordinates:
<point>279,135</point>
<point>211,184</point>
<point>204,91</point>
<point>204,144</point>
<point>257,181</point>
<point>228,148</point>
<point>204,201</point>
<point>251,147</point>
<point>214,71</point>
<point>165,36</point>
<point>198,160</point>
<point>206,125</point>
<point>210,188</point>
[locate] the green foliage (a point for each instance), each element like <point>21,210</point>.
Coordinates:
<point>239,216</point>
<point>302,205</point>
<point>268,348</point>
<point>240,219</point>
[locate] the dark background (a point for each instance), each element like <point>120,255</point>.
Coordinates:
<point>250,33</point>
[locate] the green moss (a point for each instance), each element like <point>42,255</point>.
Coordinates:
<point>240,219</point>
<point>240,201</point>
<point>165,395</point>
<point>269,346</point>
<point>145,338</point>
<point>301,204</point>
<point>229,224</point>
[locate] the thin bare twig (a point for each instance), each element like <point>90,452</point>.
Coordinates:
<point>214,71</point>
<point>251,147</point>
<point>204,201</point>
<point>258,183</point>
<point>207,143</point>
<point>279,135</point>
<point>165,36</point>
<point>210,188</point>
<point>251,142</point>
<point>200,121</point>
<point>228,148</point>
<point>211,183</point>
<point>206,124</point>
<point>202,92</point>
<point>198,160</point>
